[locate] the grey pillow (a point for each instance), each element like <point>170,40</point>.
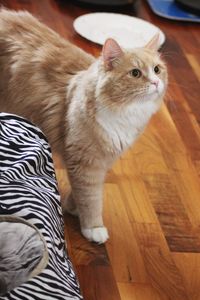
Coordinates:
<point>21,250</point>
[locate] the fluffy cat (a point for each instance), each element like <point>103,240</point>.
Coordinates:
<point>90,109</point>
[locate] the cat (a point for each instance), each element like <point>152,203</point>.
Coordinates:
<point>91,110</point>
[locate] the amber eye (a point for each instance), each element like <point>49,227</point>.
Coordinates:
<point>136,73</point>
<point>157,69</point>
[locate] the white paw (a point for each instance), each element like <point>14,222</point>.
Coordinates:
<point>96,234</point>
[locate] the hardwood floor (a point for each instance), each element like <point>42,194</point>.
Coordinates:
<point>152,194</point>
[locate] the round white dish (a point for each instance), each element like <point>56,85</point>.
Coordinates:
<point>128,31</point>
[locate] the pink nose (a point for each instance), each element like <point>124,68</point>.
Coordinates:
<point>155,82</point>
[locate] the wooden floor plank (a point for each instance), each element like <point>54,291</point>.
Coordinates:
<point>194,64</point>
<point>189,265</point>
<point>180,167</point>
<point>180,234</point>
<point>163,273</point>
<point>132,189</point>
<point>181,69</point>
<point>97,283</point>
<point>185,121</point>
<point>122,247</point>
<point>136,200</point>
<point>132,291</point>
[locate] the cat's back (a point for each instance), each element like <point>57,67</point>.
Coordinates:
<point>36,66</point>
<point>21,27</point>
<point>21,33</point>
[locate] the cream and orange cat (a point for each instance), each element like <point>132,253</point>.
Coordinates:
<point>90,109</point>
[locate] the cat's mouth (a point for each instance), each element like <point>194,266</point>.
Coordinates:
<point>152,95</point>
<point>158,91</point>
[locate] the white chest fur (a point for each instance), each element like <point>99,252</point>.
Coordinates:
<point>122,128</point>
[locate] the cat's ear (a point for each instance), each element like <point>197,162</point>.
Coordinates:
<point>154,43</point>
<point>111,52</point>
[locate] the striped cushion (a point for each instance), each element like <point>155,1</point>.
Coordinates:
<point>28,190</point>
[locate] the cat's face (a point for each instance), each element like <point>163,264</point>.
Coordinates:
<point>134,75</point>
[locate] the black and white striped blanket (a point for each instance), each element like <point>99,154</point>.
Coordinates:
<point>28,190</point>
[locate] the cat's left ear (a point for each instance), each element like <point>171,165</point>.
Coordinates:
<point>111,53</point>
<point>154,43</point>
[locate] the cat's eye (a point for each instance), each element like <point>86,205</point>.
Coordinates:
<point>136,73</point>
<point>157,69</point>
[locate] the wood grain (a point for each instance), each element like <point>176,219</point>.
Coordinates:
<point>136,291</point>
<point>152,194</point>
<point>189,266</point>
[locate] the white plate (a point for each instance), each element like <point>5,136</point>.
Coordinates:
<point>128,31</point>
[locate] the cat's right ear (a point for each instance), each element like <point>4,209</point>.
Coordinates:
<point>154,43</point>
<point>111,53</point>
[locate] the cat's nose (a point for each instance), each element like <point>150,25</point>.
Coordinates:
<point>155,82</point>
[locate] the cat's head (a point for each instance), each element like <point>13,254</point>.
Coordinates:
<point>131,75</point>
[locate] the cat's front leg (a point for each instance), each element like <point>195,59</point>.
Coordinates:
<point>69,205</point>
<point>90,213</point>
<point>87,193</point>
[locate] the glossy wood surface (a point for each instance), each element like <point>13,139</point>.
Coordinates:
<point>152,194</point>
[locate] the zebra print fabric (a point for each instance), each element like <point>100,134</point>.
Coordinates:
<point>28,190</point>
